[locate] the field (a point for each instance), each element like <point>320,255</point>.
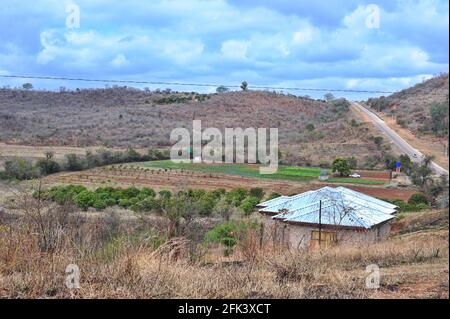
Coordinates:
<point>293,173</point>
<point>170,178</point>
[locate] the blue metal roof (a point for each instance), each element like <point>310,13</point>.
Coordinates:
<point>340,207</point>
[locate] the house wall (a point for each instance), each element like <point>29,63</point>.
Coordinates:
<point>299,236</point>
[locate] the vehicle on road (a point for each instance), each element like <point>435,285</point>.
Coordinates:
<point>355,175</point>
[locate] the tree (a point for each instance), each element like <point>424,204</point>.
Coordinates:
<point>329,97</point>
<point>244,86</point>
<point>257,192</point>
<point>27,86</point>
<point>439,118</point>
<point>310,127</point>
<point>74,163</point>
<point>342,166</point>
<point>48,165</point>
<point>248,205</point>
<point>222,89</point>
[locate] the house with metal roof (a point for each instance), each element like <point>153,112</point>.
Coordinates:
<point>327,216</point>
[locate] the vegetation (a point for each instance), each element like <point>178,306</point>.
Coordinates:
<point>123,258</point>
<point>341,166</point>
<point>23,169</point>
<point>230,233</point>
<point>198,202</point>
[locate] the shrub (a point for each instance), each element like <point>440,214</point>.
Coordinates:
<point>229,233</point>
<point>236,196</point>
<point>20,169</point>
<point>248,205</point>
<point>418,198</point>
<point>273,195</point>
<point>257,192</point>
<point>310,127</point>
<point>48,166</point>
<point>74,163</point>
<point>85,199</point>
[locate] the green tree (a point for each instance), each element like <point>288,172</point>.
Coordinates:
<point>439,118</point>
<point>342,166</point>
<point>244,86</point>
<point>222,89</point>
<point>74,163</point>
<point>310,127</point>
<point>248,205</point>
<point>257,192</point>
<point>27,86</point>
<point>329,97</point>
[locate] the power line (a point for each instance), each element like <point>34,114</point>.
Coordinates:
<point>54,78</point>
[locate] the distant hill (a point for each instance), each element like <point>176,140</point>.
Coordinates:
<point>422,108</point>
<point>310,131</point>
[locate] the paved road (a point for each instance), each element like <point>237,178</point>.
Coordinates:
<point>398,140</point>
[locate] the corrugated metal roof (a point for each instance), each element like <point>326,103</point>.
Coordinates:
<point>340,207</point>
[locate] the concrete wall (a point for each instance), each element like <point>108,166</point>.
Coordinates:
<point>299,236</point>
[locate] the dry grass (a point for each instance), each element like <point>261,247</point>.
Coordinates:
<point>123,259</point>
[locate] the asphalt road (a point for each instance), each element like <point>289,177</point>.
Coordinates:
<point>406,148</point>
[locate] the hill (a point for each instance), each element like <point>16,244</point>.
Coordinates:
<point>423,109</point>
<point>310,131</point>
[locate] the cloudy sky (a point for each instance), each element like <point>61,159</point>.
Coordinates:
<point>351,44</point>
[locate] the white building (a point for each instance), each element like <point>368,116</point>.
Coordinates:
<point>327,215</point>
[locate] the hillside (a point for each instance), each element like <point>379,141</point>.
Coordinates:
<point>412,108</point>
<point>122,117</point>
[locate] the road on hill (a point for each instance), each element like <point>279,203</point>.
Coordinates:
<point>406,148</point>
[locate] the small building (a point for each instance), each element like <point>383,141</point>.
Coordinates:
<point>325,217</point>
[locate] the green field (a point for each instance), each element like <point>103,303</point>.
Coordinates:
<point>294,173</point>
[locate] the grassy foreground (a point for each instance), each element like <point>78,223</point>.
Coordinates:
<point>295,173</point>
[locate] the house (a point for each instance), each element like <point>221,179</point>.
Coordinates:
<point>325,217</point>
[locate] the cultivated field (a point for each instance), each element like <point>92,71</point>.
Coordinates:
<point>165,178</point>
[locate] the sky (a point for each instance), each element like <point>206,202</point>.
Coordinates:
<point>348,44</point>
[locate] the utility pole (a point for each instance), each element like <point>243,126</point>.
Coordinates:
<point>320,222</point>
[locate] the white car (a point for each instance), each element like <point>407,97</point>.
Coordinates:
<point>355,175</point>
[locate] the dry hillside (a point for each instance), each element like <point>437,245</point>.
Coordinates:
<point>412,107</point>
<point>121,117</point>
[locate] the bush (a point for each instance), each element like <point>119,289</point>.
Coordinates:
<point>257,192</point>
<point>229,233</point>
<point>48,166</point>
<point>273,195</point>
<point>236,196</point>
<point>20,169</point>
<point>85,199</point>
<point>417,199</point>
<point>74,163</point>
<point>248,205</point>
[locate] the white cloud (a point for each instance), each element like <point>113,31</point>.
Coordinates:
<point>120,60</point>
<point>235,49</point>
